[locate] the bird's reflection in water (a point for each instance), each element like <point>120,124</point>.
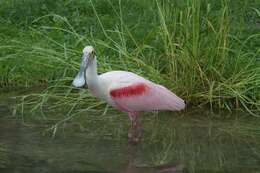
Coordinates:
<point>132,168</point>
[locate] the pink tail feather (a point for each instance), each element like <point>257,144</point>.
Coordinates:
<point>172,101</point>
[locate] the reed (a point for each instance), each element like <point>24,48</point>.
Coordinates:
<point>205,51</point>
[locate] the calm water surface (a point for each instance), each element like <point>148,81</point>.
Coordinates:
<point>172,144</point>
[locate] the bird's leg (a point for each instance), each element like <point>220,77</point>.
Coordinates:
<point>135,130</point>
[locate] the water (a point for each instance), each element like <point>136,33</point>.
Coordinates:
<point>171,144</point>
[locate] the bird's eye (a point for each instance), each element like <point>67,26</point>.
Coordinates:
<point>93,52</point>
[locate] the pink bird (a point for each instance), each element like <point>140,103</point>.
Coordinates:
<point>125,91</point>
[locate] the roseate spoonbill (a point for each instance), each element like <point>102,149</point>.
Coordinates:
<point>125,91</point>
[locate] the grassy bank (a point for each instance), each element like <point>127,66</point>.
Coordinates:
<point>205,51</point>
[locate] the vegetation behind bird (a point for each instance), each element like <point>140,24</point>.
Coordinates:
<point>205,51</point>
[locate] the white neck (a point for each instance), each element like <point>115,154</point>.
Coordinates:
<point>91,74</point>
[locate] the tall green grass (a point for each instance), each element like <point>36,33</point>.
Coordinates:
<point>205,51</point>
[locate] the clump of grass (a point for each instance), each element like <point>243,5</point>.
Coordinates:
<point>194,48</point>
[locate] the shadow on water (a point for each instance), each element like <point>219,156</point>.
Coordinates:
<point>172,144</point>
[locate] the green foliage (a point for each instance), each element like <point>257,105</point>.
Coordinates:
<point>205,51</point>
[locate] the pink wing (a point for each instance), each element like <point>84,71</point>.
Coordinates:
<point>145,96</point>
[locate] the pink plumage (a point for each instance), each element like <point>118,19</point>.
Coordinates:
<point>131,93</point>
<point>152,99</point>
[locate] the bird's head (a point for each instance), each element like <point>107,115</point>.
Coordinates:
<point>87,58</point>
<point>89,52</point>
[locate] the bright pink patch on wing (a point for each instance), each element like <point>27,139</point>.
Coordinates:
<point>132,90</point>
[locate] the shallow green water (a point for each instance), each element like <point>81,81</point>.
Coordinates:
<point>172,143</point>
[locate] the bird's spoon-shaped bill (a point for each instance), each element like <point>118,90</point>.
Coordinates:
<point>80,79</point>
